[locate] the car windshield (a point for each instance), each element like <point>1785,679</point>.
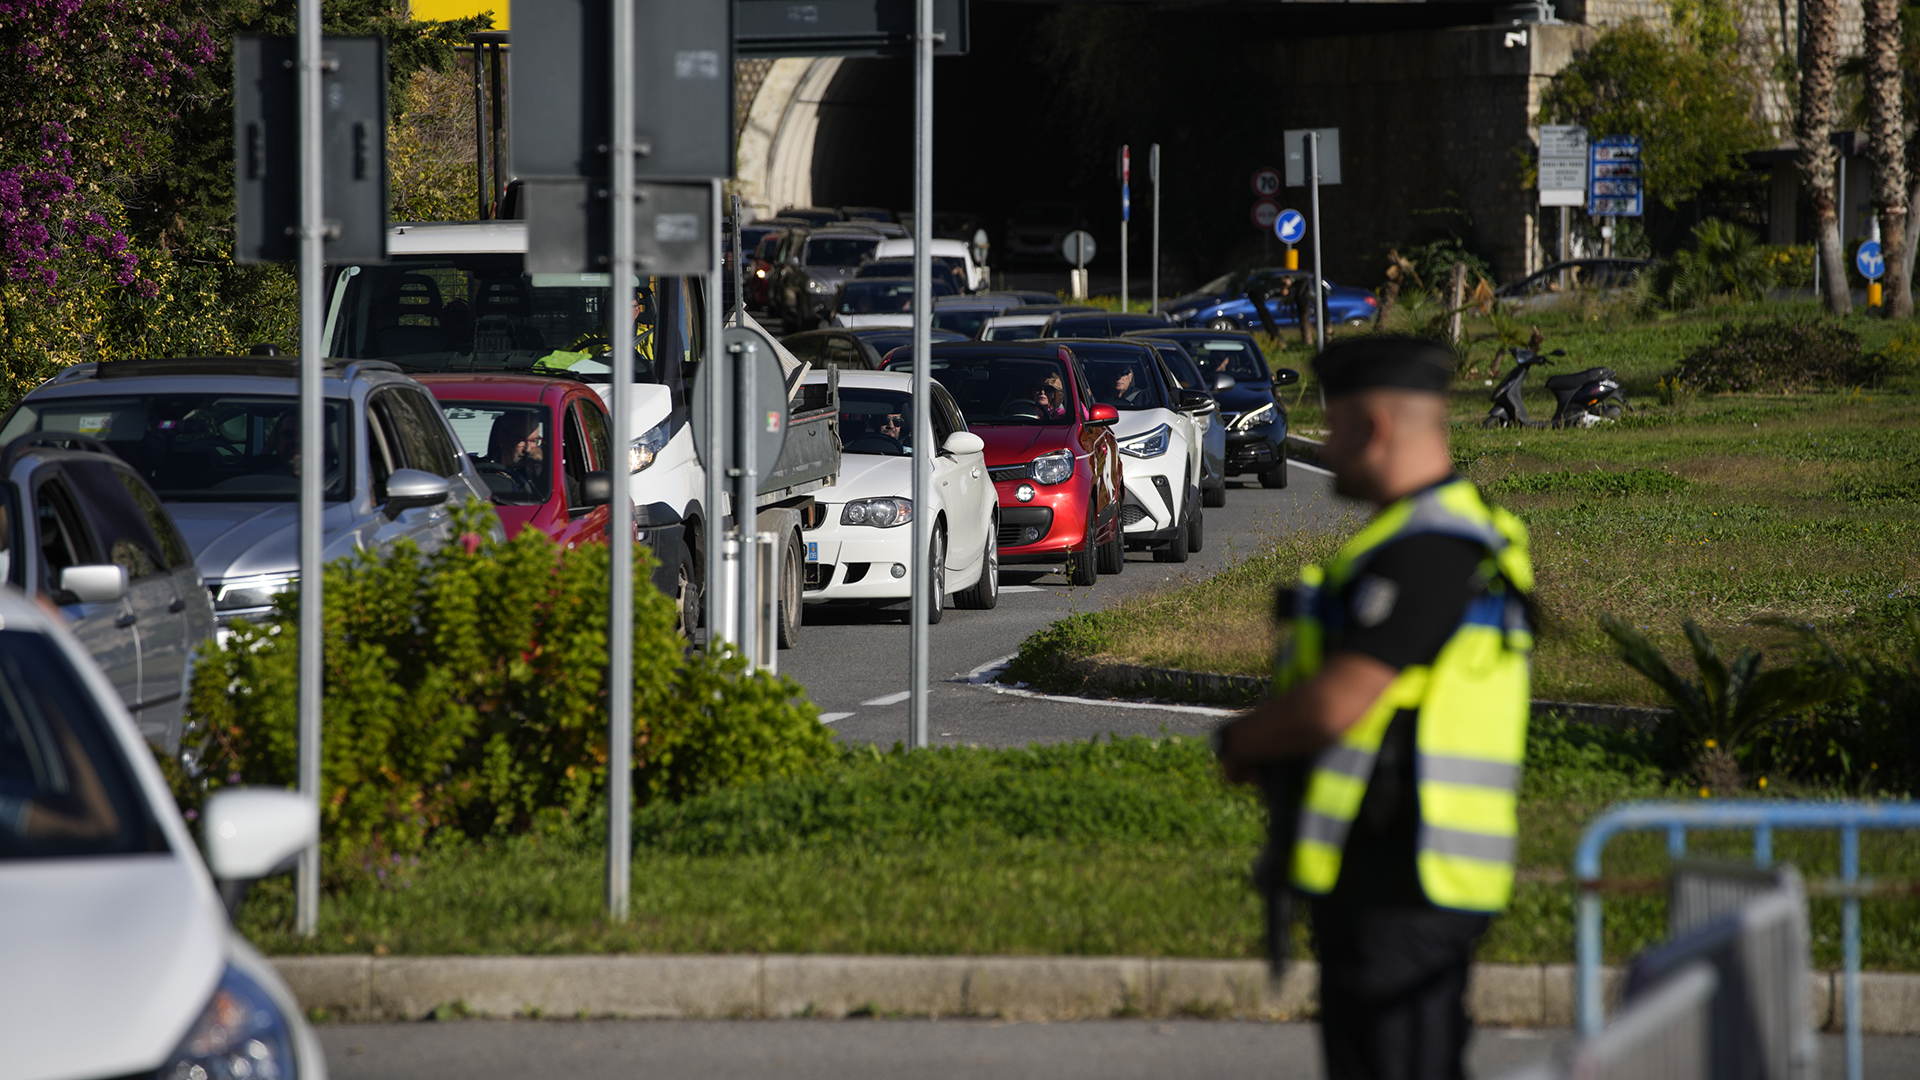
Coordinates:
<point>508,444</point>
<point>482,312</point>
<point>880,296</point>
<point>1178,362</point>
<point>839,250</point>
<point>902,266</point>
<point>876,421</point>
<point>1233,356</point>
<point>198,447</point>
<point>1123,376</point>
<point>65,789</point>
<point>964,323</point>
<point>1006,390</point>
<point>1221,284</point>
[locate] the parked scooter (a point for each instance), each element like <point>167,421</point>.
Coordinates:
<point>1585,398</point>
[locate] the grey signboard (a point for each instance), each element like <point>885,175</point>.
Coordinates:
<point>1563,165</point>
<point>844,27</point>
<point>1297,156</point>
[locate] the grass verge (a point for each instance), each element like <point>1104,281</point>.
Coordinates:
<point>1734,510</point>
<point>1127,847</point>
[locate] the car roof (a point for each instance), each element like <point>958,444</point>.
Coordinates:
<point>503,387</point>
<point>255,374</point>
<point>1072,342</point>
<point>1016,317</point>
<point>456,237</point>
<point>1189,333</point>
<point>935,246</point>
<point>1035,349</point>
<point>866,380</point>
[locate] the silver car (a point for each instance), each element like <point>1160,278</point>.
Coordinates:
<point>218,440</point>
<point>80,531</point>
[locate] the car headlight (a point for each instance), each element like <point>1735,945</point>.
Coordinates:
<point>241,1035</point>
<point>1051,468</point>
<point>648,445</point>
<point>879,513</point>
<point>1185,313</point>
<point>818,287</point>
<point>1149,444</point>
<point>1265,414</point>
<point>253,592</point>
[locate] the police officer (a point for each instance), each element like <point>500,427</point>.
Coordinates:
<point>1405,691</point>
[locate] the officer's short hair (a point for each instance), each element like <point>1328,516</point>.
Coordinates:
<point>1377,361</point>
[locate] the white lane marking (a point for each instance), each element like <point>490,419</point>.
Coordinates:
<point>1296,463</point>
<point>830,717</point>
<point>1005,589</point>
<point>984,675</point>
<point>890,699</point>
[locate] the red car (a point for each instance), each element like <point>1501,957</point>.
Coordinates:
<point>1050,450</point>
<point>542,446</point>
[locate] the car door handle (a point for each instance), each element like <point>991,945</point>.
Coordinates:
<point>126,620</point>
<point>177,606</point>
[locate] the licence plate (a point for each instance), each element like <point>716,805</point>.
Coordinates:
<point>813,551</point>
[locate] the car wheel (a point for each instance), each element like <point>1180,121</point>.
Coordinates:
<point>1174,550</point>
<point>1113,553</point>
<point>793,569</point>
<point>1083,566</point>
<point>1221,322</point>
<point>1196,534</point>
<point>1358,320</point>
<point>687,595</point>
<point>1215,495</point>
<point>1275,477</point>
<point>936,580</point>
<point>985,593</point>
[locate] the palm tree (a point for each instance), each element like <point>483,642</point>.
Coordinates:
<point>1887,145</point>
<point>1814,129</point>
<point>1718,713</point>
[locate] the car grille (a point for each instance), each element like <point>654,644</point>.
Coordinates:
<point>1022,525</point>
<point>818,576</point>
<point>1132,514</point>
<point>1011,472</point>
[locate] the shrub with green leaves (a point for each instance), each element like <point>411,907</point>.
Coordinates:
<point>1779,355</point>
<point>466,690</point>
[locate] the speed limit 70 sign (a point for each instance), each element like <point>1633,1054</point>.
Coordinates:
<point>1266,182</point>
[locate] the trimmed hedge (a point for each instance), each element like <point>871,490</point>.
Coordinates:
<point>466,691</point>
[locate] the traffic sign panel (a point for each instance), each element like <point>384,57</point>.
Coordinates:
<point>1563,165</point>
<point>1869,261</point>
<point>1078,248</point>
<point>1266,181</point>
<point>1265,213</point>
<point>1290,226</point>
<point>1616,189</point>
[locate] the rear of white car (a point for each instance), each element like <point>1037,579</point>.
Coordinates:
<point>943,250</point>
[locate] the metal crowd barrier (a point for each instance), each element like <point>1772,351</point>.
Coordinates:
<point>1665,1034</point>
<point>1701,903</point>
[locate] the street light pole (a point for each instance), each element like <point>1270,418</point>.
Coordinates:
<point>920,564</point>
<point>306,905</point>
<point>1319,301</point>
<point>1153,174</point>
<point>620,522</point>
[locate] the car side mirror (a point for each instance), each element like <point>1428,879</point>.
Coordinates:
<point>596,489</point>
<point>964,442</point>
<point>1103,416</point>
<point>410,488</point>
<point>1285,376</point>
<point>252,833</point>
<point>1198,402</point>
<point>101,583</point>
<point>1223,382</point>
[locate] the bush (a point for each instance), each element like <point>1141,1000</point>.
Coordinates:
<point>1778,354</point>
<point>466,690</point>
<point>1728,264</point>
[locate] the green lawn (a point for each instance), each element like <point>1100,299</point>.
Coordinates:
<point>1732,510</point>
<point>1130,847</point>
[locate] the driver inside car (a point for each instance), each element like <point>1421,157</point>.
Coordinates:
<point>517,445</point>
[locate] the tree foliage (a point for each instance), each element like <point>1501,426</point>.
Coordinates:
<point>1688,98</point>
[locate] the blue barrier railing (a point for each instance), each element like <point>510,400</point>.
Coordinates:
<point>1763,817</point>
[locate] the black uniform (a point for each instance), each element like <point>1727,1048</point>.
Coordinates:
<point>1393,968</point>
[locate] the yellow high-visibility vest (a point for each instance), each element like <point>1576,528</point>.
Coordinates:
<point>1469,708</point>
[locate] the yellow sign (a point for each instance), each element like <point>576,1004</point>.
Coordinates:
<point>441,10</point>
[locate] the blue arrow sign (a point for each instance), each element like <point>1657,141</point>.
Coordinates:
<point>1868,259</point>
<point>1290,226</point>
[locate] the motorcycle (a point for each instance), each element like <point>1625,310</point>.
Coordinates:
<point>1584,398</point>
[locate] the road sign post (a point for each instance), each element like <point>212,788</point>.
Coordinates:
<point>312,445</point>
<point>1153,174</point>
<point>1078,248</point>
<point>1290,226</point>
<point>1313,160</point>
<point>920,565</point>
<point>1872,266</point>
<point>1563,176</point>
<point>1126,178</point>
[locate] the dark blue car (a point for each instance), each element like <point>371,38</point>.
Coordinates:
<point>1222,304</point>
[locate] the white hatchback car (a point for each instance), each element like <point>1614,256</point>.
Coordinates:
<point>120,956</point>
<point>860,549</point>
<point>1160,444</point>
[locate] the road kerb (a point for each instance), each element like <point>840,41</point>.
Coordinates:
<point>1014,987</point>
